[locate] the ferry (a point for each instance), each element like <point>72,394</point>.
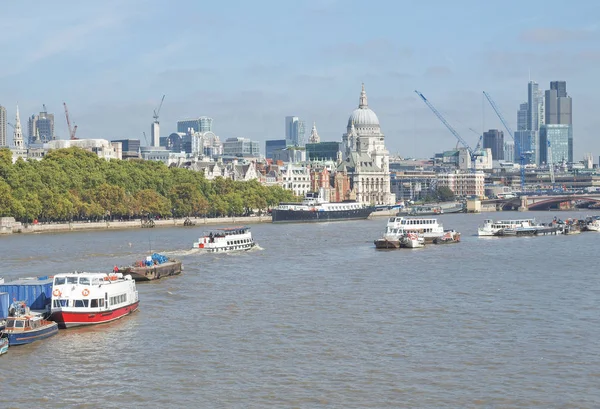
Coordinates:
<point>593,223</point>
<point>429,227</point>
<point>24,326</point>
<point>82,298</point>
<point>494,228</point>
<point>225,240</point>
<point>314,208</point>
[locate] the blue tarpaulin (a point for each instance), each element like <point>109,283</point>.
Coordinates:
<point>4,304</point>
<point>36,292</point>
<point>159,258</point>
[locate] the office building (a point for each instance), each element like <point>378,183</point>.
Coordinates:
<point>273,145</point>
<point>241,147</point>
<point>294,131</point>
<point>522,114</point>
<point>509,151</point>
<point>3,141</point>
<point>323,151</point>
<point>556,135</point>
<point>201,124</point>
<point>494,140</point>
<point>560,87</point>
<point>556,141</point>
<point>40,128</point>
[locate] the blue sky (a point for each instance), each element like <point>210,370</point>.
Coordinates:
<point>249,64</point>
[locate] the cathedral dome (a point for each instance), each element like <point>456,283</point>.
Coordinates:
<point>363,116</point>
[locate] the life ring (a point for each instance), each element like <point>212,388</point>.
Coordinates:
<point>85,292</point>
<point>56,292</point>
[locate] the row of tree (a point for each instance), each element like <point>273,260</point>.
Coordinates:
<point>74,184</point>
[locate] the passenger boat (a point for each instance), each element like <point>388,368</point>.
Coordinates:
<point>593,224</point>
<point>3,344</point>
<point>491,227</point>
<point>154,267</point>
<point>82,298</point>
<point>225,240</point>
<point>24,326</point>
<point>314,208</point>
<point>429,227</point>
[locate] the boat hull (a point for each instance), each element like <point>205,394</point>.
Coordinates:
<point>384,243</point>
<point>307,216</point>
<point>27,337</point>
<point>226,249</point>
<point>69,319</point>
<point>154,272</point>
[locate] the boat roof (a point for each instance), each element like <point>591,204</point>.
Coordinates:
<point>87,274</point>
<point>226,229</point>
<point>29,281</point>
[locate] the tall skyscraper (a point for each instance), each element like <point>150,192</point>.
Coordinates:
<point>494,140</point>
<point>557,132</point>
<point>42,126</point>
<point>2,126</point>
<point>560,87</point>
<point>294,131</point>
<point>522,114</point>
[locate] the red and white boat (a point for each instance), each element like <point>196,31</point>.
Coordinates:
<point>80,298</point>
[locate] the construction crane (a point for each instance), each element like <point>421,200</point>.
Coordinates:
<point>472,153</point>
<point>157,111</point>
<point>523,156</point>
<point>73,130</point>
<point>478,146</point>
<point>550,164</point>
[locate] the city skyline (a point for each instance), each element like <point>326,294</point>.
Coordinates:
<point>112,62</point>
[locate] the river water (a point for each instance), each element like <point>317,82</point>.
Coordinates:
<point>318,318</point>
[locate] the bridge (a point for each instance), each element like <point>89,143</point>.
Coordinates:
<point>542,202</point>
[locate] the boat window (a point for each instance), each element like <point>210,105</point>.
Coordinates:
<point>84,280</point>
<point>10,323</point>
<point>19,324</point>
<point>71,280</point>
<point>59,280</point>
<point>101,302</point>
<point>81,303</point>
<point>94,303</point>
<point>95,281</point>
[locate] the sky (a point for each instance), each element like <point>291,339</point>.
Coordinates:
<point>249,64</point>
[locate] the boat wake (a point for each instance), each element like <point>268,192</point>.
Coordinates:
<point>186,252</point>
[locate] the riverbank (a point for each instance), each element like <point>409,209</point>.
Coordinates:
<point>8,225</point>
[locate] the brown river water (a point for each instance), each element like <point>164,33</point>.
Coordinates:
<point>316,317</point>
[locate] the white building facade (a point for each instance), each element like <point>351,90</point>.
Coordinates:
<point>365,158</point>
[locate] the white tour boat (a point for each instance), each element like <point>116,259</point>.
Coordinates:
<point>494,228</point>
<point>429,227</point>
<point>229,239</point>
<point>81,298</point>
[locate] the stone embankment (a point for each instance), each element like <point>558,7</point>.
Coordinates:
<point>8,225</point>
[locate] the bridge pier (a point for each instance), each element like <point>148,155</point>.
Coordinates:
<point>524,204</point>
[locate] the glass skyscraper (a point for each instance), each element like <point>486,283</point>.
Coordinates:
<point>202,124</point>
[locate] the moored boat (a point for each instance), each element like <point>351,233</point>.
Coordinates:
<point>81,298</point>
<point>388,242</point>
<point>225,240</point>
<point>3,344</point>
<point>314,208</point>
<point>154,267</point>
<point>412,240</point>
<point>24,326</point>
<point>593,224</point>
<point>503,227</point>
<point>449,237</point>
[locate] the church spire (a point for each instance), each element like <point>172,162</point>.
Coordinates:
<point>363,97</point>
<point>314,136</point>
<point>18,134</point>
